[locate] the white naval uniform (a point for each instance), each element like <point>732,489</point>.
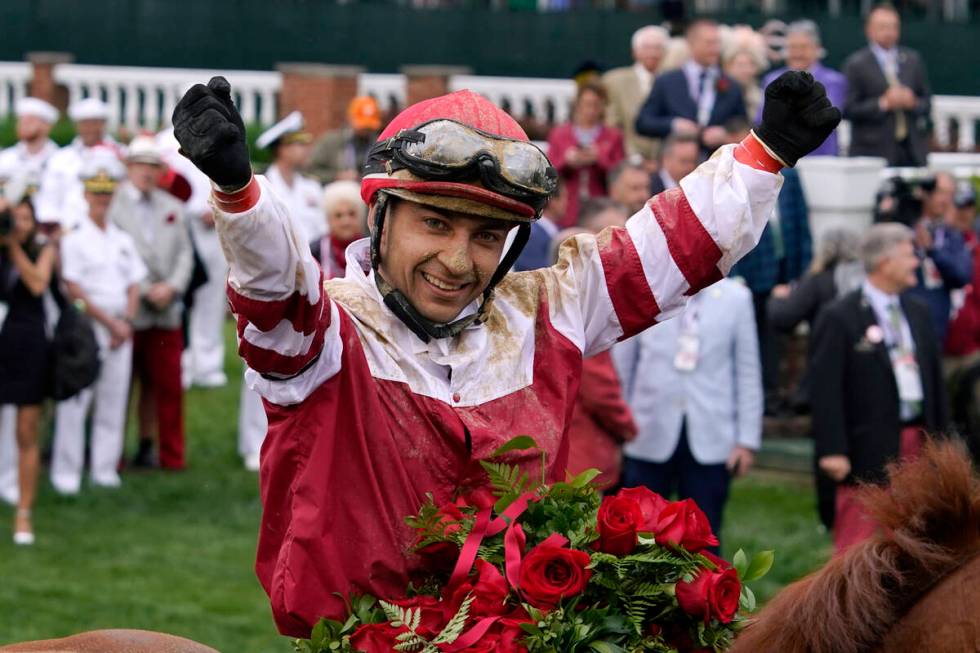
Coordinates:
<point>61,196</point>
<point>203,362</point>
<point>17,161</point>
<point>105,264</point>
<point>303,200</point>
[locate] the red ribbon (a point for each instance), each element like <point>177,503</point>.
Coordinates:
<point>467,555</point>
<point>473,635</point>
<point>514,541</point>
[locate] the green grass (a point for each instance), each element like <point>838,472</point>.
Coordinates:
<point>174,552</point>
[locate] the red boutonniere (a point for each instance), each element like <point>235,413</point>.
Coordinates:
<point>171,218</point>
<point>722,85</point>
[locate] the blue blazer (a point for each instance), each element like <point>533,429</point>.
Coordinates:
<point>670,98</point>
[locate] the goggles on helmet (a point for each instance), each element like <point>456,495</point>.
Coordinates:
<point>444,149</point>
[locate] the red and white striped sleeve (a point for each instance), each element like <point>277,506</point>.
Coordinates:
<point>614,285</point>
<point>288,329</point>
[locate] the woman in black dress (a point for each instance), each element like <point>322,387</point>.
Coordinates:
<point>26,264</point>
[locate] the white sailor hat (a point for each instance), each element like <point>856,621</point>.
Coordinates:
<point>101,170</point>
<point>144,149</point>
<point>88,109</point>
<point>32,106</point>
<point>288,130</point>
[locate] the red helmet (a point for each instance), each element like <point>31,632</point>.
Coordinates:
<point>464,109</point>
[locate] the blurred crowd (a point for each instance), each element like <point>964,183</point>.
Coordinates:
<point>112,279</point>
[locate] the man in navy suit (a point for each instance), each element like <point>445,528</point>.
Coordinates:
<point>696,99</point>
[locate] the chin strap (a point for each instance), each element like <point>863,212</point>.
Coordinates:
<point>398,304</point>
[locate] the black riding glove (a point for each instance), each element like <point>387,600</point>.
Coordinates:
<point>211,133</point>
<point>797,116</point>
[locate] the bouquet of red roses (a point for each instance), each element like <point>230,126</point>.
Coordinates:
<point>556,568</point>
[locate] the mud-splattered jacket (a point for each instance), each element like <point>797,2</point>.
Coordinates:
<point>365,418</point>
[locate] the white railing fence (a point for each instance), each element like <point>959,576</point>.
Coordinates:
<point>962,110</point>
<point>14,77</point>
<point>144,98</point>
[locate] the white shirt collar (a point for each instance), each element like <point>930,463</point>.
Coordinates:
<point>880,300</point>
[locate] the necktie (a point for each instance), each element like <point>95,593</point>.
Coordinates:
<point>704,110</point>
<point>901,349</point>
<point>891,76</point>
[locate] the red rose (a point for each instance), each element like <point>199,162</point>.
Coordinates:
<point>551,573</point>
<point>503,637</point>
<point>721,85</point>
<point>619,520</point>
<point>651,504</point>
<point>711,595</point>
<point>683,524</point>
<point>489,590</point>
<point>376,638</point>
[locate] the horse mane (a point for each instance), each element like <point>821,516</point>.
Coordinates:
<point>112,641</point>
<point>929,517</point>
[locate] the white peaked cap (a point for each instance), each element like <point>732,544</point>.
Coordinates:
<point>144,149</point>
<point>101,160</point>
<point>32,106</point>
<point>88,109</point>
<point>288,125</point>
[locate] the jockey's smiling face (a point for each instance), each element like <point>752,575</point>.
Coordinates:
<point>440,260</point>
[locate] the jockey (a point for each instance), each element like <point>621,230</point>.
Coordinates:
<point>396,380</point>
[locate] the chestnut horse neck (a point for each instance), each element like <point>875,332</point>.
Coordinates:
<point>929,515</point>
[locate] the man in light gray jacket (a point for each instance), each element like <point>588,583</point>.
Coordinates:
<point>694,385</point>
<point>155,221</point>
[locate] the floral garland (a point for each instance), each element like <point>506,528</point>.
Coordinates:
<point>556,569</point>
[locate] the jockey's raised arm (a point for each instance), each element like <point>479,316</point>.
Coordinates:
<point>396,380</point>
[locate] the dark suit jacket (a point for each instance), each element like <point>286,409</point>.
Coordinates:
<point>670,98</point>
<point>872,130</point>
<point>853,390</point>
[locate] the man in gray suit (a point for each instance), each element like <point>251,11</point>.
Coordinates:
<point>629,86</point>
<point>888,97</point>
<point>155,221</point>
<point>694,385</point>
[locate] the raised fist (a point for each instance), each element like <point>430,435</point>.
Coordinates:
<point>797,116</point>
<point>211,133</point>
